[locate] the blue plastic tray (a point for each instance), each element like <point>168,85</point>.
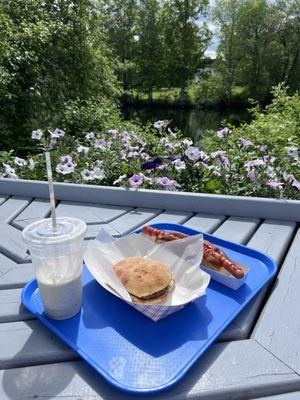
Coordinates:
<point>137,355</point>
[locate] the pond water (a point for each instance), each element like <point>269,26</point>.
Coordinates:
<point>193,123</point>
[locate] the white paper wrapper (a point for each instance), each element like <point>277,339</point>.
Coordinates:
<point>183,257</point>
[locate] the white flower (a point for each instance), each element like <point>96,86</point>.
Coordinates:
<point>99,173</point>
<point>10,172</point>
<point>192,153</point>
<point>66,158</point>
<point>31,165</point>
<point>120,179</point>
<point>89,135</point>
<point>187,142</point>
<point>57,133</point>
<point>65,169</point>
<point>179,165</point>
<point>37,135</point>
<point>82,149</point>
<point>20,161</point>
<point>292,151</point>
<point>87,175</point>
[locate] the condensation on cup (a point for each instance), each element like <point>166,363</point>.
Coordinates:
<point>57,258</point>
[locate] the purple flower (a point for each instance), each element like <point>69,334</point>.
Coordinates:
<point>221,159</point>
<point>203,156</point>
<point>161,167</point>
<point>275,184</point>
<point>296,184</point>
<point>192,153</point>
<point>152,164</point>
<point>136,180</point>
<point>253,163</point>
<point>251,176</point>
<point>90,135</point>
<point>125,135</point>
<point>66,159</point>
<point>133,154</point>
<point>120,179</point>
<point>292,151</point>
<point>223,132</point>
<point>65,169</point>
<point>37,135</point>
<point>160,124</point>
<point>87,175</point>
<point>167,183</point>
<point>20,161</point>
<point>245,142</point>
<point>99,173</point>
<point>82,149</point>
<point>263,148</point>
<point>100,144</point>
<point>113,132</point>
<point>57,133</point>
<point>179,165</point>
<point>269,159</point>
<point>52,143</point>
<point>145,156</point>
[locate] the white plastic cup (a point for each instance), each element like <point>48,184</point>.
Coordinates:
<point>57,258</point>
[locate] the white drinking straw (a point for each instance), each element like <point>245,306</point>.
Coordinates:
<point>51,191</point>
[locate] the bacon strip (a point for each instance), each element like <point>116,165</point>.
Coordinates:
<point>213,256</point>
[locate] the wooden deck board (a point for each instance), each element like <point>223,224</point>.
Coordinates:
<point>278,327</point>
<point>12,207</point>
<point>38,208</point>
<point>234,371</point>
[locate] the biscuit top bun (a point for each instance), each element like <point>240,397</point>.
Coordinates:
<point>142,277</point>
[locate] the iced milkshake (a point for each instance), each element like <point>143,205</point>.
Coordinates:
<point>57,258</point>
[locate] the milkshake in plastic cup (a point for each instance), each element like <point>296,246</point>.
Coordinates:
<point>57,258</point>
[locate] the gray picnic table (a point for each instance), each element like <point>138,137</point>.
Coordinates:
<point>258,356</point>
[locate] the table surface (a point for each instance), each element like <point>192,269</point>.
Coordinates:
<point>258,356</point>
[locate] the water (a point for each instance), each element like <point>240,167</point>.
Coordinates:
<point>193,123</point>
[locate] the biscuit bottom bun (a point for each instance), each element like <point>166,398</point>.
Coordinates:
<point>147,281</point>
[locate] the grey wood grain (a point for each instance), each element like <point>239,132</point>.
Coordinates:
<point>5,262</point>
<point>284,396</point>
<point>16,275</point>
<point>37,209</point>
<point>205,222</point>
<point>237,229</point>
<point>12,207</point>
<point>171,217</point>
<point>272,238</point>
<point>31,343</point>
<point>93,230</point>
<point>3,198</point>
<point>133,220</point>
<point>278,327</point>
<point>12,245</point>
<point>255,207</point>
<point>90,213</point>
<point>238,370</point>
<point>11,308</point>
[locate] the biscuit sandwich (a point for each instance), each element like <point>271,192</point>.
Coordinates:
<point>147,281</point>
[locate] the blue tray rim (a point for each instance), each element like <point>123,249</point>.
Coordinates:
<point>267,260</point>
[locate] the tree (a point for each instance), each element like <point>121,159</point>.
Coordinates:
<point>186,39</point>
<point>50,53</point>
<point>121,18</point>
<point>149,57</point>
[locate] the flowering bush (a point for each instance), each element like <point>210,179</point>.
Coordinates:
<point>244,161</point>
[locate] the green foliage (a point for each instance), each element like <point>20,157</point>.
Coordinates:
<point>50,53</point>
<point>209,89</point>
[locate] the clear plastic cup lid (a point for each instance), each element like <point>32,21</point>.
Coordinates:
<point>41,232</point>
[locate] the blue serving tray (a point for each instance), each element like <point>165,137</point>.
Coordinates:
<point>137,355</point>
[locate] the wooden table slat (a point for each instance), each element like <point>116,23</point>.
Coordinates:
<point>16,275</point>
<point>237,229</point>
<point>10,307</point>
<point>205,222</point>
<point>3,199</point>
<point>12,207</point>
<point>37,209</point>
<point>227,371</point>
<point>12,244</point>
<point>91,213</point>
<point>283,396</point>
<point>171,217</point>
<point>278,327</point>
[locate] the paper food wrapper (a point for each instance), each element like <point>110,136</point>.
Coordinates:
<point>183,257</point>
